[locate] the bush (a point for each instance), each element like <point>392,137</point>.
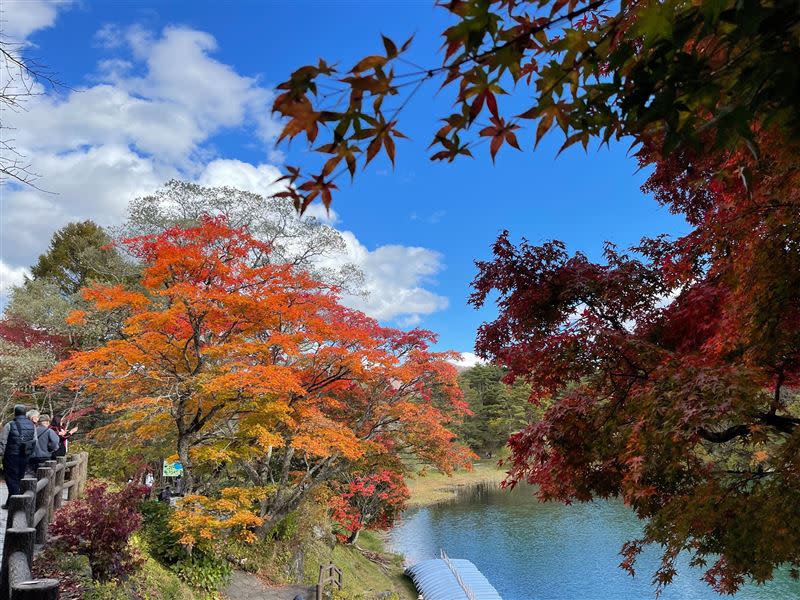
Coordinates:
<point>203,573</point>
<point>287,528</point>
<point>162,541</point>
<point>200,570</point>
<point>100,526</point>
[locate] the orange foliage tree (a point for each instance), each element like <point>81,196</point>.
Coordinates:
<point>257,376</point>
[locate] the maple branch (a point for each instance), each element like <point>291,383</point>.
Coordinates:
<point>318,385</point>
<point>199,421</point>
<point>726,435</point>
<point>529,33</point>
<point>780,423</point>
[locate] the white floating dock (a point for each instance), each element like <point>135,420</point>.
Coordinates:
<point>451,579</point>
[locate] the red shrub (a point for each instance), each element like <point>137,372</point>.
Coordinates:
<point>99,526</point>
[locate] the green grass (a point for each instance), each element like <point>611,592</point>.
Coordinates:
<point>152,582</point>
<point>362,577</point>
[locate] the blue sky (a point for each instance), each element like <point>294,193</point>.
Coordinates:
<point>183,89</point>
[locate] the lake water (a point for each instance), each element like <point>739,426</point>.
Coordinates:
<point>534,551</point>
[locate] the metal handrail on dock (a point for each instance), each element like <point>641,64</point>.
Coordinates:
<point>467,590</point>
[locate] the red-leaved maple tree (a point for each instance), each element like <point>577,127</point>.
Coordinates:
<point>671,371</point>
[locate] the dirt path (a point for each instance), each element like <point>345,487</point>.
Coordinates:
<point>245,586</point>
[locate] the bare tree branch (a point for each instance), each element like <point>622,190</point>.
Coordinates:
<point>21,78</point>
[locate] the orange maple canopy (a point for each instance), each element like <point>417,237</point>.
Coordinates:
<point>233,360</point>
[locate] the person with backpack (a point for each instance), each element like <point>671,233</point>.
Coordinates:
<point>47,443</point>
<point>17,445</point>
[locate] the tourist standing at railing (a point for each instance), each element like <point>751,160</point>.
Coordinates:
<point>47,443</point>
<point>63,436</point>
<point>17,445</point>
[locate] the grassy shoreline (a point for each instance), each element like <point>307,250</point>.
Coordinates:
<point>434,487</point>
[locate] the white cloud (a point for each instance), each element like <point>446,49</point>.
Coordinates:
<point>184,97</point>
<point>259,179</point>
<point>151,115</point>
<point>468,359</point>
<point>99,147</point>
<point>21,18</point>
<point>96,183</point>
<point>180,72</point>
<point>10,277</point>
<point>394,280</point>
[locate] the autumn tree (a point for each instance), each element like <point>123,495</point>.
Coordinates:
<point>369,501</point>
<point>254,373</point>
<point>78,254</point>
<point>671,367</point>
<point>674,367</point>
<point>34,333</point>
<point>25,353</point>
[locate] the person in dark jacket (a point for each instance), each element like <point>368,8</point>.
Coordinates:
<point>17,445</point>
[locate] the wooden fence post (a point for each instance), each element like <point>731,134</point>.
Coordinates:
<point>72,490</point>
<point>18,541</point>
<point>28,484</point>
<point>36,589</point>
<point>58,488</point>
<point>44,500</point>
<point>83,472</point>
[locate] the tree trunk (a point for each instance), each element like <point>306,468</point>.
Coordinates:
<point>353,537</point>
<point>184,443</point>
<point>289,497</point>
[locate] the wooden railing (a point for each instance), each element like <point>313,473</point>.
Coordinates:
<point>29,516</point>
<point>328,574</point>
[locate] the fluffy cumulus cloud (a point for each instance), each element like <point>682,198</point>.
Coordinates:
<point>157,101</point>
<point>23,17</point>
<point>395,276</point>
<point>467,360</point>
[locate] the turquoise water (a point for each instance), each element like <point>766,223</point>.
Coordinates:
<point>534,551</point>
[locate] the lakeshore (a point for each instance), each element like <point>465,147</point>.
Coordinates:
<point>435,487</point>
